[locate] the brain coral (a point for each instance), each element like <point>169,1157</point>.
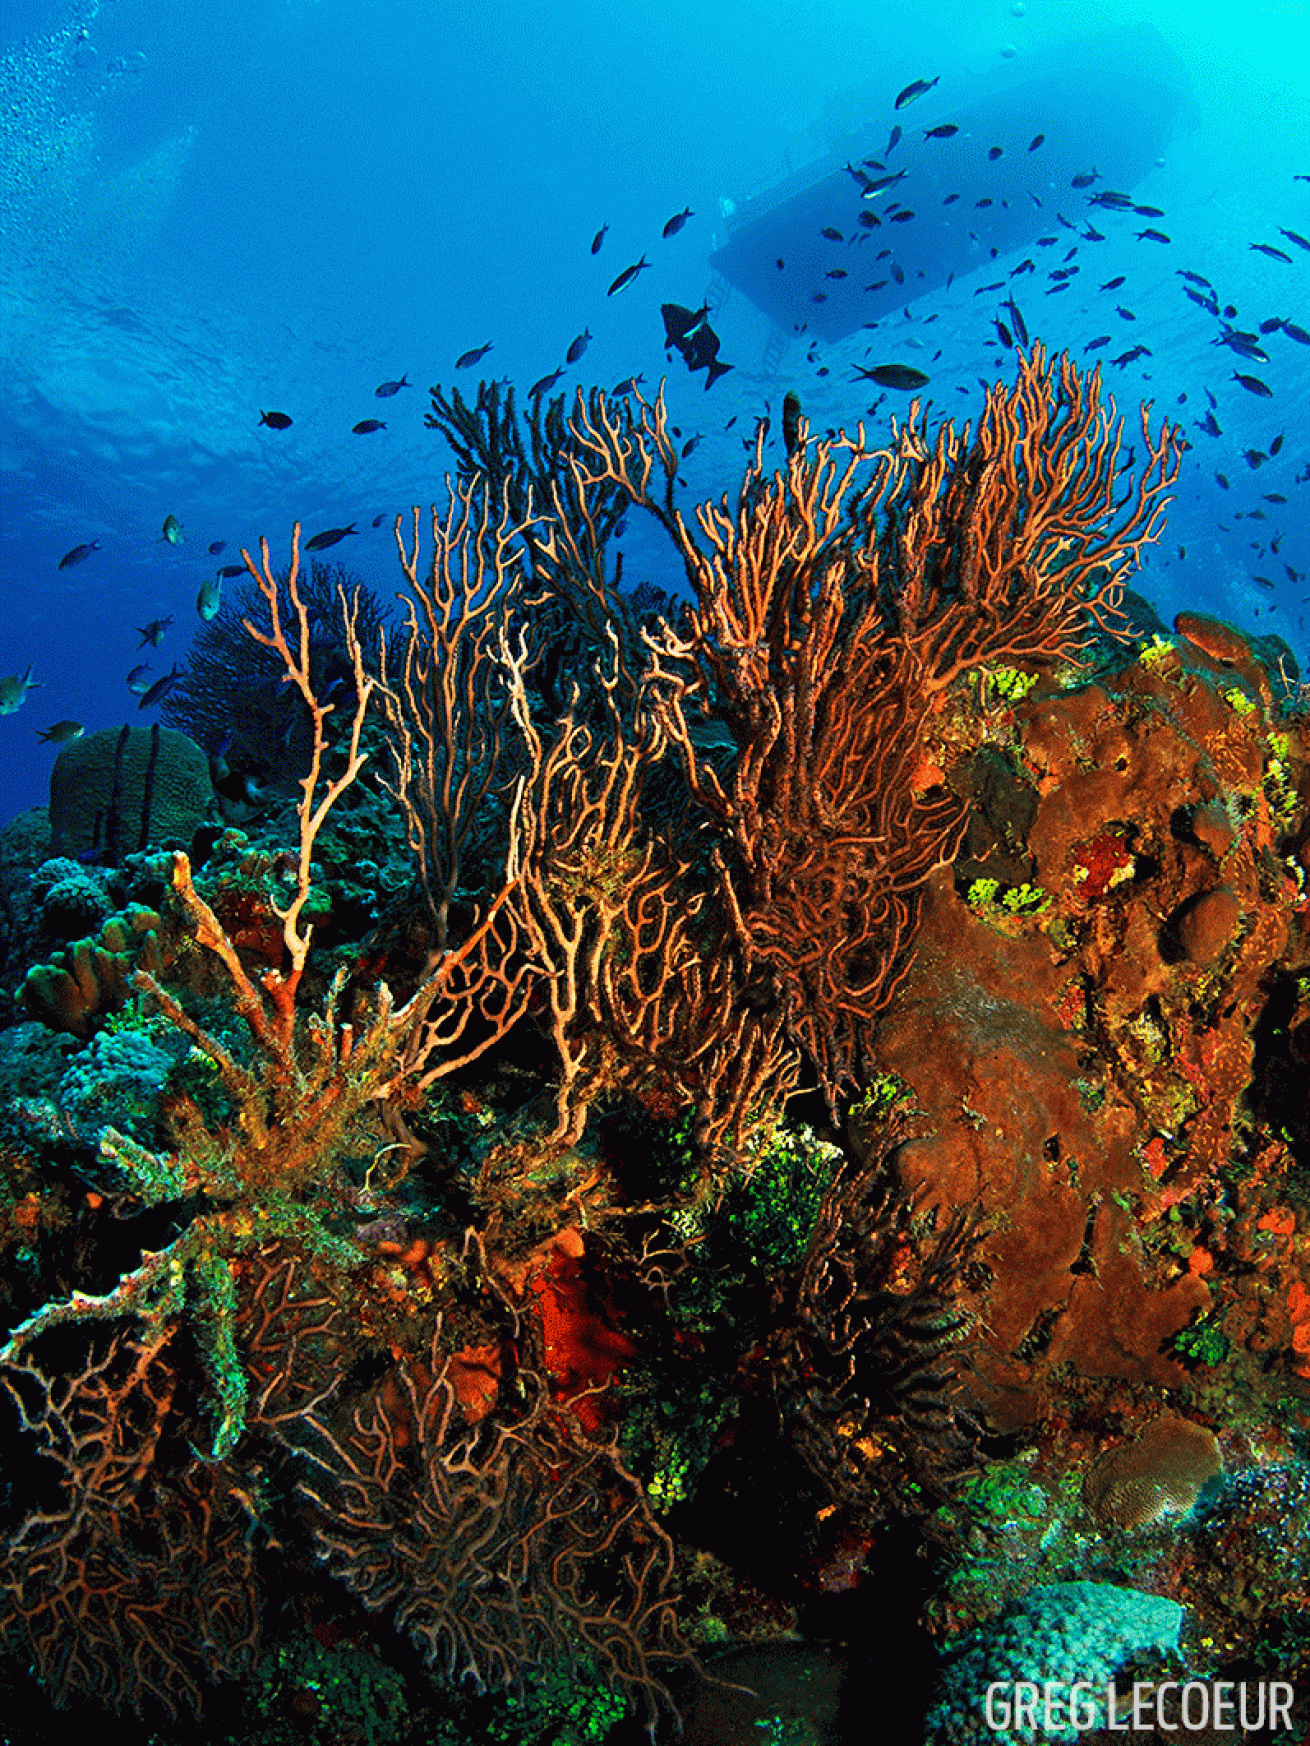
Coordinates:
<point>1161,1474</point>
<point>125,788</point>
<point>1066,1632</point>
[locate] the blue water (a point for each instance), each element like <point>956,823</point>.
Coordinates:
<point>279,204</point>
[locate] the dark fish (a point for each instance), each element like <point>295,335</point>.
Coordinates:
<point>78,555</point>
<point>1254,385</point>
<point>1273,253</point>
<point>545,382</point>
<point>598,239</point>
<point>1255,459</point>
<point>385,390</point>
<point>1003,332</point>
<point>366,425</point>
<point>902,217</point>
<point>1274,497</point>
<point>835,273</point>
<point>1091,234</point>
<point>1296,333</point>
<point>680,323</point>
<point>466,359</point>
<point>943,130</point>
<point>994,152</point>
<point>985,202</point>
<point>1294,236</point>
<point>1114,284</point>
<point>1102,339</point>
<point>1211,425</point>
<point>1263,582</point>
<point>870,220</point>
<point>329,537</point>
<point>1131,357</point>
<point>881,182</point>
<point>914,90</point>
<point>1221,482</point>
<point>893,140</point>
<point>701,351</point>
<point>1127,314</point>
<point>898,273</point>
<point>692,443</point>
<point>1023,267</point>
<point>625,278</point>
<point>1085,178</point>
<point>161,688</point>
<point>791,420</point>
<point>215,547</point>
<point>950,200</point>
<point>1271,324</point>
<point>136,679</point>
<point>628,385</point>
<point>1194,277</point>
<point>274,420</point>
<point>153,633</point>
<point>378,520</point>
<point>1276,444</point>
<point>877,285</point>
<point>1033,145</point>
<point>894,376</point>
<point>578,346</point>
<point>832,233</point>
<point>228,571</point>
<point>676,223</point>
<point>1149,211</point>
<point>1019,324</point>
<point>1152,235</point>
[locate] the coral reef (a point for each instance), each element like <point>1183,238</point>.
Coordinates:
<point>595,1171</point>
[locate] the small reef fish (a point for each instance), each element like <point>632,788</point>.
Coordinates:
<point>173,531</point>
<point>894,376</point>
<point>1296,237</point>
<point>14,690</point>
<point>153,633</point>
<point>1085,178</point>
<point>628,385</point>
<point>275,420</point>
<point>578,346</point>
<point>215,547</point>
<point>385,390</point>
<point>1273,253</point>
<point>1039,140</point>
<point>544,383</point>
<point>466,360</point>
<point>329,537</point>
<point>1152,236</point>
<point>138,680</point>
<point>943,130</point>
<point>61,733</point>
<point>911,91</point>
<point>599,238</point>
<point>628,275</point>
<point>366,425</point>
<point>676,223</point>
<point>1254,385</point>
<point>160,689</point>
<point>78,555</point>
<point>210,598</point>
<point>225,571</point>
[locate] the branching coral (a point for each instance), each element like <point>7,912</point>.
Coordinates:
<point>138,1583</point>
<point>833,611</point>
<point>497,1547</point>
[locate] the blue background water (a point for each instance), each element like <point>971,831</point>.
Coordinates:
<point>253,204</point>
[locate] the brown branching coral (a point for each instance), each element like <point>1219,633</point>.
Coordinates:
<point>496,1547</point>
<point>631,993</point>
<point>836,602</point>
<point>137,1585</point>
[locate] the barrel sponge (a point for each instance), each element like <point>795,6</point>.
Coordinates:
<point>1065,1632</point>
<point>116,772</point>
